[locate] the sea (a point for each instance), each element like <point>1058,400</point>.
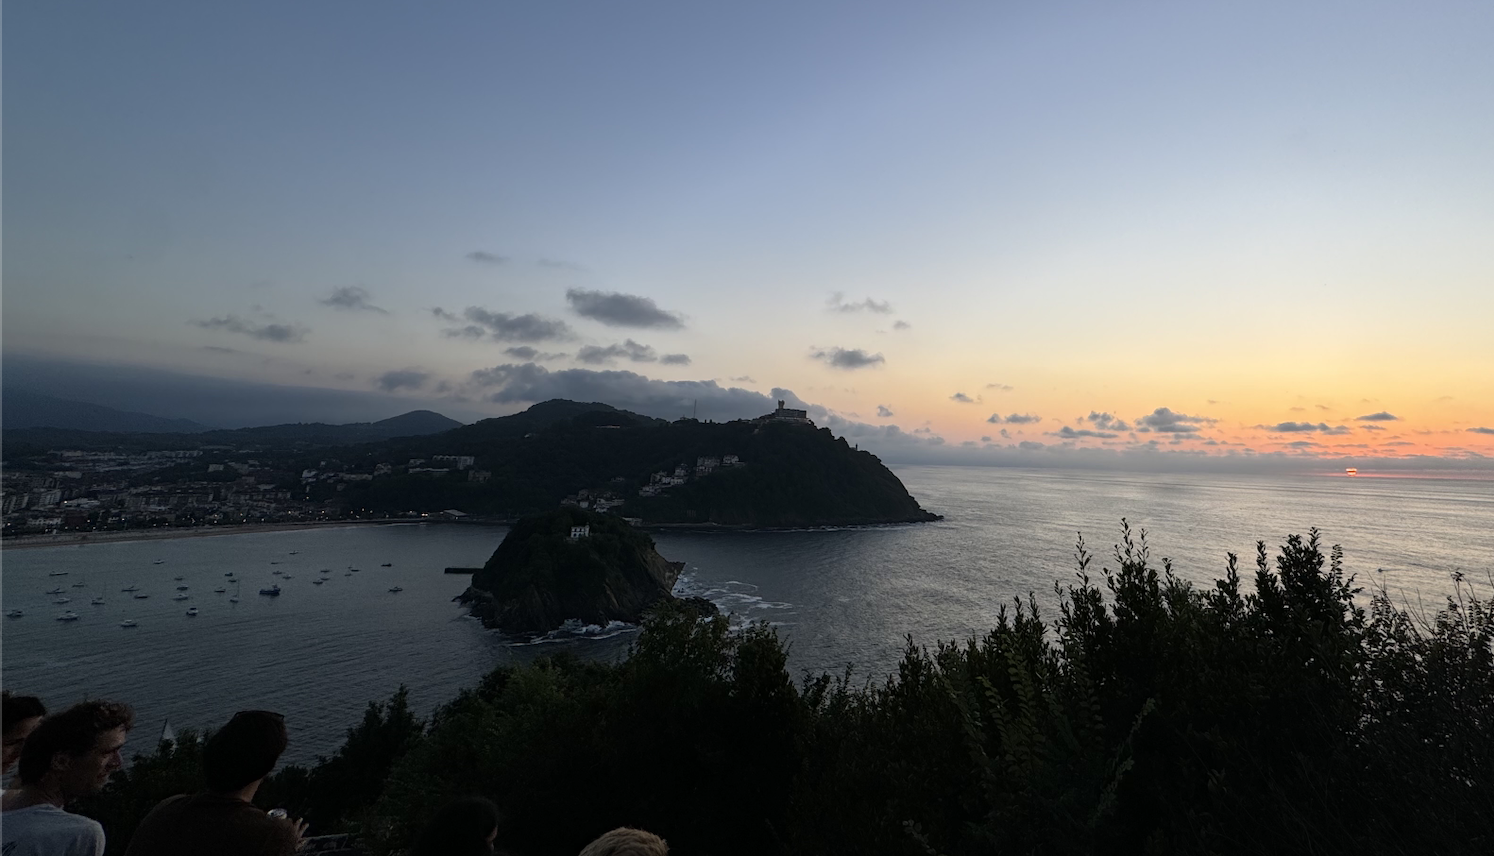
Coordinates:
<point>845,598</point>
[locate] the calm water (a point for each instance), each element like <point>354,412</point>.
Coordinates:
<point>319,653</point>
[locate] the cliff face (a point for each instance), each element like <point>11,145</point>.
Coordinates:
<point>540,576</point>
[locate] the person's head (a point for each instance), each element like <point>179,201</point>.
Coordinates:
<point>462,827</point>
<point>243,751</point>
<point>75,751</point>
<point>625,841</point>
<point>19,716</point>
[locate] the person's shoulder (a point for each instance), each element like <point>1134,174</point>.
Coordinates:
<point>54,830</point>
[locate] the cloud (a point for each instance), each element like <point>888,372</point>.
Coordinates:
<point>1030,445</point>
<point>837,303</point>
<point>217,349</point>
<point>526,352</point>
<point>1015,419</point>
<point>271,332</point>
<point>622,310</point>
<point>849,359</point>
<point>1106,422</point>
<point>1072,434</point>
<point>963,398</point>
<point>675,359</point>
<point>1481,430</point>
<point>503,326</point>
<point>901,325</point>
<point>484,258</point>
<point>1304,427</point>
<point>1167,421</point>
<point>668,399</point>
<point>884,412</point>
<point>353,299</point>
<point>1000,387</point>
<point>559,264</point>
<point>1373,427</point>
<point>743,379</point>
<point>402,379</point>
<point>1382,416</point>
<point>630,350</point>
<point>1322,407</point>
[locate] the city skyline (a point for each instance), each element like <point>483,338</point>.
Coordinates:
<point>954,233</point>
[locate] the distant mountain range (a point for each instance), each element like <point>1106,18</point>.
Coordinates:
<point>26,409</point>
<point>33,418</point>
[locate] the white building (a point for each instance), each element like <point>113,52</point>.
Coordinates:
<point>579,532</point>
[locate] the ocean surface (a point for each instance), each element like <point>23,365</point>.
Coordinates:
<point>320,653</point>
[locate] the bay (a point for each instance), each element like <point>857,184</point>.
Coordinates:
<point>319,653</point>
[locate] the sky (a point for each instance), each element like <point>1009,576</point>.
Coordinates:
<point>1159,232</point>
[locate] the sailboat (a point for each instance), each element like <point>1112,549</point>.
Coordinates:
<point>168,734</point>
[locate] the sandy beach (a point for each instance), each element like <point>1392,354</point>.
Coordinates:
<point>64,539</point>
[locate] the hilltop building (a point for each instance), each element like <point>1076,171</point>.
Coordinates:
<point>786,415</point>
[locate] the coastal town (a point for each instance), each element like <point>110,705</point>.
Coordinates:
<point>77,491</point>
<point>61,490</point>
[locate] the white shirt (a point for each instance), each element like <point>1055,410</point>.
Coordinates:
<point>46,830</point>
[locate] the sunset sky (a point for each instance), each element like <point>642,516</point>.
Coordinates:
<point>955,230</point>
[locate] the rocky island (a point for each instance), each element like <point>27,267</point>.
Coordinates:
<point>570,564</point>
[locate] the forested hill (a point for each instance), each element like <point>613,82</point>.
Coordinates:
<point>789,475</point>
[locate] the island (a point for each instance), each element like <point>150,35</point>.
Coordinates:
<point>571,564</point>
